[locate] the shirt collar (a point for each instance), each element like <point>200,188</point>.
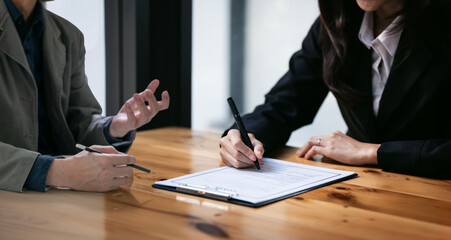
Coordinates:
<point>13,11</point>
<point>389,37</point>
<point>16,14</point>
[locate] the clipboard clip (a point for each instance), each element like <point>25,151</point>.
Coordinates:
<point>203,191</point>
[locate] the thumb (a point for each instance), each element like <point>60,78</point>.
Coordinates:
<point>105,149</point>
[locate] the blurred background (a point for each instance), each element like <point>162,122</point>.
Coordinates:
<point>203,51</point>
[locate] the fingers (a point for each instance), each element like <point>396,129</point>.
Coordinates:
<point>153,107</point>
<point>137,109</point>
<point>258,147</point>
<point>313,141</point>
<point>314,150</point>
<point>323,145</point>
<point>130,114</point>
<point>232,161</point>
<point>112,160</point>
<point>164,103</point>
<point>105,149</point>
<point>307,146</point>
<point>236,154</point>
<point>238,144</point>
<point>144,115</point>
<point>153,85</point>
<point>112,157</point>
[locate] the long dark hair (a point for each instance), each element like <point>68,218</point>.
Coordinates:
<point>341,21</point>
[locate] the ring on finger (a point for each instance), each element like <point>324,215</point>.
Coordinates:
<point>319,142</point>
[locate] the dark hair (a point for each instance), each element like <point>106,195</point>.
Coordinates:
<point>341,20</point>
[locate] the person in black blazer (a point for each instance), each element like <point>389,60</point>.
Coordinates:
<point>394,101</point>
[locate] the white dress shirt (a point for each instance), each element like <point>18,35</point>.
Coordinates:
<point>383,52</point>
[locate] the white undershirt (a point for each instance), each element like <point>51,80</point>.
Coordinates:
<point>383,52</point>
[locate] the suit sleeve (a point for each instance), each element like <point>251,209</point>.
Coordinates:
<point>294,101</point>
<point>426,158</point>
<point>15,166</point>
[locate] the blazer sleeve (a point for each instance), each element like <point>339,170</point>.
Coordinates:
<point>15,166</point>
<point>294,101</point>
<point>426,158</point>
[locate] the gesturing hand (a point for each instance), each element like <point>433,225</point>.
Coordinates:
<point>340,147</point>
<point>134,113</point>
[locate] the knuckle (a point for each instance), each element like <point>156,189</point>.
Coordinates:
<point>132,159</point>
<point>233,132</point>
<point>105,173</point>
<point>236,144</point>
<point>103,161</point>
<point>314,149</point>
<point>236,154</point>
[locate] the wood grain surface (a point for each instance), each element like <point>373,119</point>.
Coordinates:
<point>375,205</point>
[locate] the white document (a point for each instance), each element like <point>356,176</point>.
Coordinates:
<point>276,179</point>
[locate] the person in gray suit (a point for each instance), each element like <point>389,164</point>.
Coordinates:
<point>47,107</point>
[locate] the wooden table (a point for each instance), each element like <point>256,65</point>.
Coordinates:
<point>375,205</point>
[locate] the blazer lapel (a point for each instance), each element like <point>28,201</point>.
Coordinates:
<point>54,58</point>
<point>364,110</point>
<point>402,77</point>
<point>10,42</point>
<point>54,63</point>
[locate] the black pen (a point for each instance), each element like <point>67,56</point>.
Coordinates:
<point>241,127</point>
<point>79,146</point>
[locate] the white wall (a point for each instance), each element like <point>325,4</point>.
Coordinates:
<point>274,31</point>
<point>88,16</point>
<point>210,65</point>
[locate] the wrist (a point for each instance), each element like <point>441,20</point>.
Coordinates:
<point>114,131</point>
<point>371,154</point>
<point>56,176</point>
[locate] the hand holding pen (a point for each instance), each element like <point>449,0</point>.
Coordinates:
<point>79,146</point>
<point>234,150</point>
<point>86,171</point>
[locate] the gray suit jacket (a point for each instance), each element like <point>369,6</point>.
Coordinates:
<point>73,112</point>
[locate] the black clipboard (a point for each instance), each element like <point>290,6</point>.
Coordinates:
<point>229,199</point>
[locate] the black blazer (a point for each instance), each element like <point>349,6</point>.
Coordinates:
<point>414,120</point>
